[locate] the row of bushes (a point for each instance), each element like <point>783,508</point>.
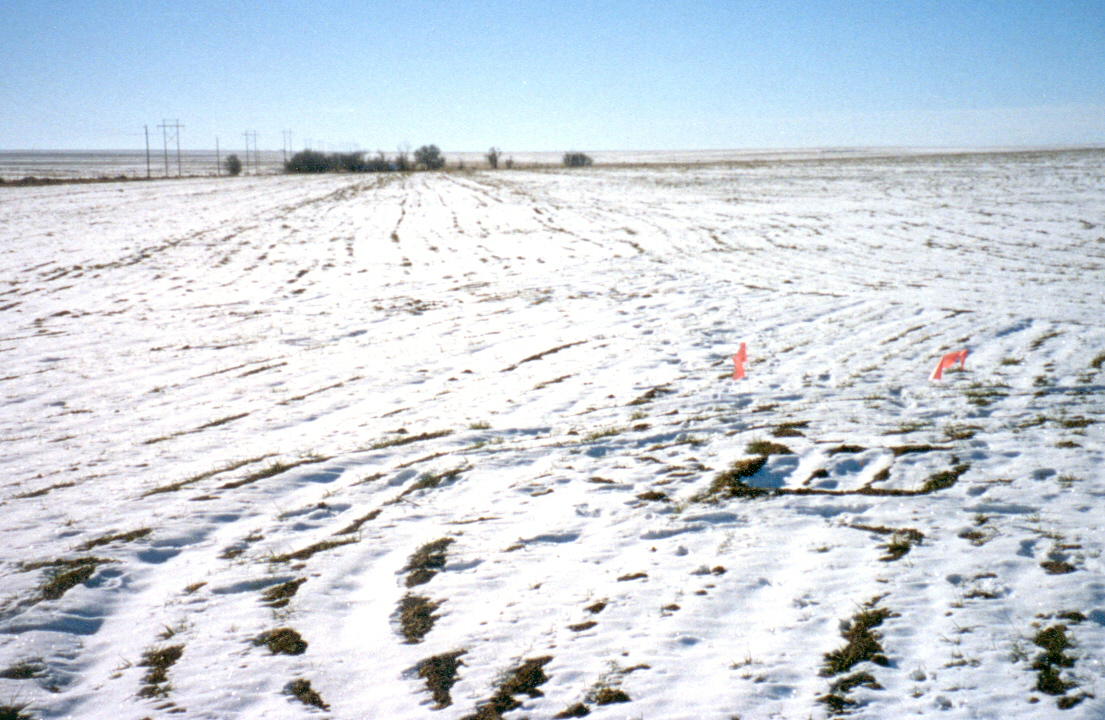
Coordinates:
<point>427,156</point>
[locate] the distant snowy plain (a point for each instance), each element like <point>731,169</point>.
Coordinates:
<point>449,444</point>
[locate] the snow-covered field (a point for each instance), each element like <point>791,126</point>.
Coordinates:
<point>452,445</point>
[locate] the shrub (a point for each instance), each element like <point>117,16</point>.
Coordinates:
<point>429,157</point>
<point>348,162</point>
<point>576,159</point>
<point>493,157</point>
<point>308,161</point>
<point>233,165</point>
<point>402,158</point>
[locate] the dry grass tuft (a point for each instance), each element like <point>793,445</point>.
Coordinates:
<point>64,575</point>
<point>440,674</point>
<point>427,561</point>
<point>416,617</point>
<point>282,641</point>
<point>863,642</point>
<point>765,447</point>
<point>120,537</point>
<point>312,550</point>
<point>279,596</point>
<point>301,690</point>
<point>790,429</point>
<point>356,524</point>
<point>523,679</point>
<point>1054,642</point>
<point>158,660</point>
<point>411,439</point>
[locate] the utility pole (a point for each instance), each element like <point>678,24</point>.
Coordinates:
<point>251,134</point>
<point>176,127</point>
<point>218,160</point>
<point>147,152</point>
<point>287,144</point>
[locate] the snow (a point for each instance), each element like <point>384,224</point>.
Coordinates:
<point>554,349</point>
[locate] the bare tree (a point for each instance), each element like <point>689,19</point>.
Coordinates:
<point>493,157</point>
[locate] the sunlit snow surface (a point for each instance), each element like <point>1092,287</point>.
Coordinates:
<point>563,339</point>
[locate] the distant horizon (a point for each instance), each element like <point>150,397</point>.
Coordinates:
<point>576,74</point>
<point>231,149</point>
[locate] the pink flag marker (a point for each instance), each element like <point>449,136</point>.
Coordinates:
<point>738,363</point>
<point>959,356</point>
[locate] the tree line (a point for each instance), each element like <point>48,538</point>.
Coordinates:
<point>427,157</point>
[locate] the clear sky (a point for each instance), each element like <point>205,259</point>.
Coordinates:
<point>553,74</point>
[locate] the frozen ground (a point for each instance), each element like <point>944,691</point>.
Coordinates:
<point>452,445</point>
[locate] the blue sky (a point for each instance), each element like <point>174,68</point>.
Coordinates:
<point>553,75</point>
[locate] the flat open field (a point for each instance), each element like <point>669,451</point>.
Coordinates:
<point>468,444</point>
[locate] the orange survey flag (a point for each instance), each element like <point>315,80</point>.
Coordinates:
<point>959,356</point>
<point>738,363</point>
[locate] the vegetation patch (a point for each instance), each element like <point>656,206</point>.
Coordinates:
<point>862,641</point>
<point>608,696</point>
<point>730,483</point>
<point>272,470</point>
<point>356,524</point>
<point>426,562</point>
<point>765,447</point>
<point>440,674</point>
<point>790,429</point>
<point>1057,567</point>
<point>43,491</point>
<point>158,661</point>
<point>1076,423</point>
<point>603,433</point>
<point>900,541</point>
<point>837,698</point>
<point>523,679</point>
<point>279,596</point>
<point>899,450</point>
<point>64,575</point>
<point>573,711</point>
<point>656,392</point>
<point>24,670</point>
<point>633,576</point>
<point>1038,342</point>
<point>982,395</point>
<point>302,691</point>
<point>905,428</point>
<point>398,442</point>
<point>282,641</point>
<point>416,617</point>
<point>961,432</point>
<point>976,537</point>
<point>15,711</point>
<point>1048,665</point>
<point>173,487</point>
<point>119,537</point>
<point>850,449</point>
<point>428,481</point>
<point>312,550</point>
<point>542,354</point>
<point>944,479</point>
